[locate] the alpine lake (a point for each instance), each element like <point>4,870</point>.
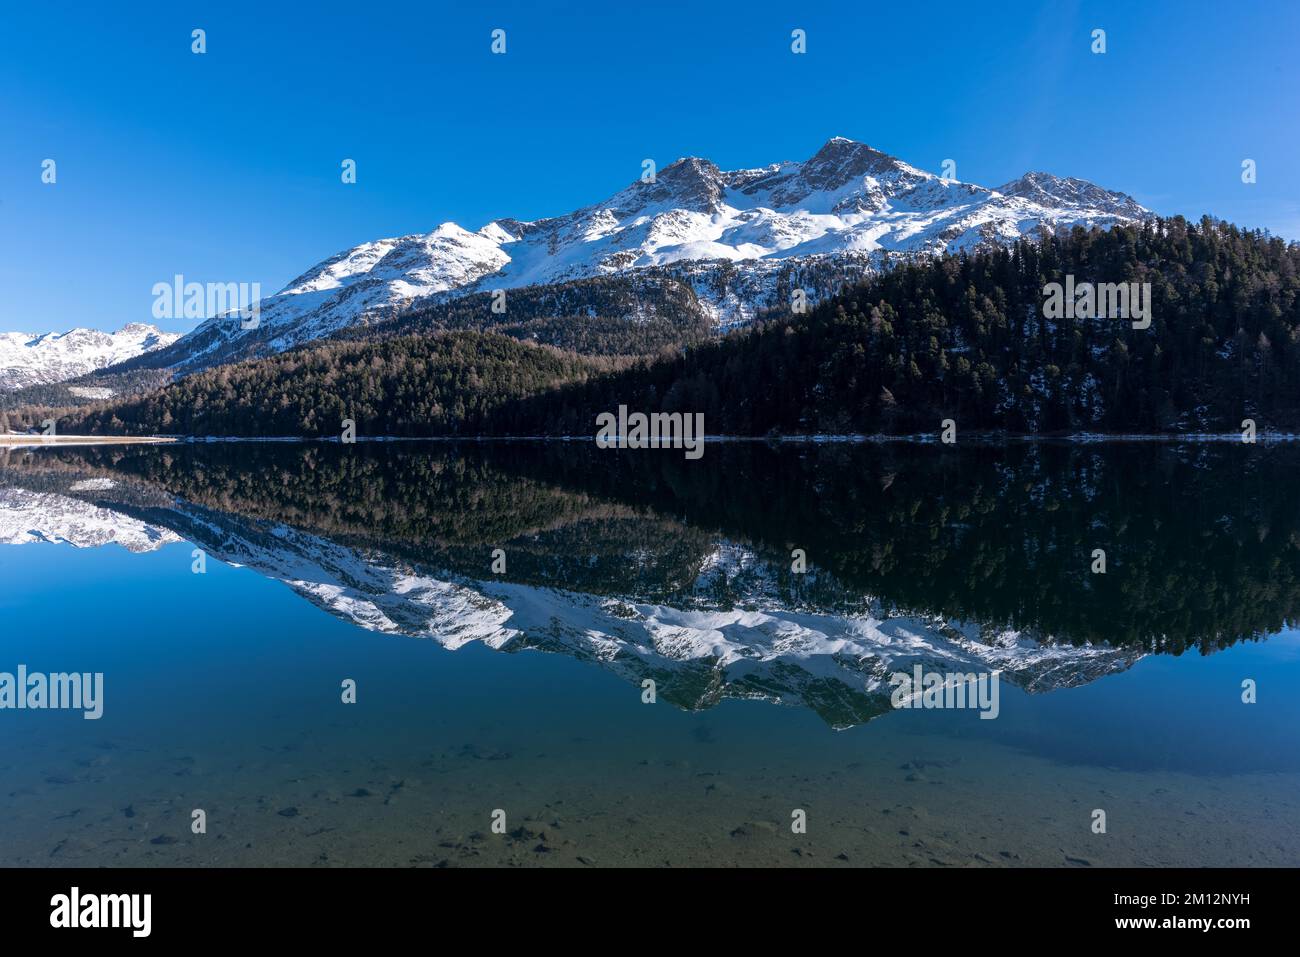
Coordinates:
<point>548,654</point>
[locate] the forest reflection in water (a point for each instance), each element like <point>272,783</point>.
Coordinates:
<point>691,573</point>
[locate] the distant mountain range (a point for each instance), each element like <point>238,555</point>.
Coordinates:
<point>27,360</point>
<point>708,246</point>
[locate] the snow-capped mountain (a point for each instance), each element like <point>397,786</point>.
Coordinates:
<point>736,238</point>
<point>27,359</point>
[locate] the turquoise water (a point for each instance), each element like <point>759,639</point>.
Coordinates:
<point>522,691</point>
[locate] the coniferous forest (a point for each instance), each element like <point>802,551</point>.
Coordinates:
<point>962,337</point>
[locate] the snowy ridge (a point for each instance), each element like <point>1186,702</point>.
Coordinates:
<point>27,359</point>
<point>731,235</point>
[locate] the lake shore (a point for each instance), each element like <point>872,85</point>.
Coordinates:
<point>815,438</point>
<point>32,441</point>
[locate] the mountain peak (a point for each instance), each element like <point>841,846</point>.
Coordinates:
<point>690,166</point>
<point>840,146</point>
<point>1048,189</point>
<point>139,329</point>
<point>691,183</point>
<point>841,159</point>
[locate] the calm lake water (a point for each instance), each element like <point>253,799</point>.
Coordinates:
<point>503,608</point>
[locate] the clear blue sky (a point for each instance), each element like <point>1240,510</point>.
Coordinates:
<point>225,167</point>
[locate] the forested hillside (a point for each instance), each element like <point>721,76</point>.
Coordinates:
<point>966,338</point>
<point>963,337</point>
<point>443,384</point>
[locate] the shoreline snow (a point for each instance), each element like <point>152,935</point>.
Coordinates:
<point>987,438</point>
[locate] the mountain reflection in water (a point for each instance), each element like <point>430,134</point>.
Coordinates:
<point>975,559</point>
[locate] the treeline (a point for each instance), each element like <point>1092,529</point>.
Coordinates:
<point>963,337</point>
<point>602,315</point>
<point>444,384</point>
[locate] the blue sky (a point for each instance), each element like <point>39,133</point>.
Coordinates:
<point>225,167</point>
